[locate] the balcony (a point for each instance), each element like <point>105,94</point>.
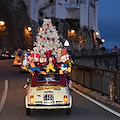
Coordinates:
<point>72,6</point>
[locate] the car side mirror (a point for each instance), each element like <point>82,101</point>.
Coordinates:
<point>28,81</point>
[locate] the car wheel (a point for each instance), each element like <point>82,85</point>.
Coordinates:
<point>28,111</point>
<point>68,111</point>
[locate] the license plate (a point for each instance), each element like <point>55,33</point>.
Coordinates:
<point>48,97</point>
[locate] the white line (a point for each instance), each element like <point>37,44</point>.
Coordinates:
<point>98,103</point>
<point>2,102</point>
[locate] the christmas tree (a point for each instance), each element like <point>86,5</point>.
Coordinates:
<point>47,40</point>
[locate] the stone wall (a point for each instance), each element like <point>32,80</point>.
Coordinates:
<point>14,13</point>
<point>109,61</point>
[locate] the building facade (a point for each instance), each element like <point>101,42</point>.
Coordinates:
<point>32,6</point>
<point>84,10</point>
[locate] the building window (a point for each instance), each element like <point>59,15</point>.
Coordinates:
<point>50,1</point>
<point>76,1</point>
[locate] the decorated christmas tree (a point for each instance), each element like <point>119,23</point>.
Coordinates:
<point>47,40</point>
<point>48,51</point>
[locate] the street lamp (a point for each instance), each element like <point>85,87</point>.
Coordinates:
<point>2,26</point>
<point>103,40</point>
<point>97,33</point>
<point>29,29</point>
<point>72,31</point>
<point>2,23</point>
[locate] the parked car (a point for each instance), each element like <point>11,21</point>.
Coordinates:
<point>18,57</point>
<point>5,54</point>
<point>48,91</point>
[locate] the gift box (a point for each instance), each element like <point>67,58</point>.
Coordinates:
<point>64,51</point>
<point>59,53</point>
<point>36,56</point>
<point>43,59</point>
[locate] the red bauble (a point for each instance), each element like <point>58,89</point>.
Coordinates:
<point>40,36</point>
<point>53,39</point>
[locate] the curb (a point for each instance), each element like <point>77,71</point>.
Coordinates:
<point>102,99</point>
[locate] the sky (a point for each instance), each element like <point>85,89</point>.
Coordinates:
<point>109,22</point>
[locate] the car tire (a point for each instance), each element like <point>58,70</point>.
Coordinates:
<point>28,111</point>
<point>68,111</point>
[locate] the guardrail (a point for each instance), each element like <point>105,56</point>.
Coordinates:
<point>107,82</point>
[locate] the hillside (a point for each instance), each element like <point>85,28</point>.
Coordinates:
<point>14,13</point>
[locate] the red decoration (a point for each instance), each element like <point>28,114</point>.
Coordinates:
<point>35,55</point>
<point>53,39</point>
<point>40,36</point>
<point>43,46</point>
<point>48,53</point>
<point>115,47</point>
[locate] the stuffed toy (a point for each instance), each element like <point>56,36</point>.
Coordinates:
<point>65,64</point>
<point>32,66</point>
<point>50,66</point>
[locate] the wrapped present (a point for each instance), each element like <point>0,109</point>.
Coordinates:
<point>59,53</point>
<point>36,56</point>
<point>43,59</point>
<point>64,51</point>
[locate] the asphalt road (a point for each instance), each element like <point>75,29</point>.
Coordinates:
<point>14,108</point>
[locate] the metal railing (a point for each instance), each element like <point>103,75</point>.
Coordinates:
<point>107,82</point>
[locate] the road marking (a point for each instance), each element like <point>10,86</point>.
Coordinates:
<point>2,102</point>
<point>98,103</point>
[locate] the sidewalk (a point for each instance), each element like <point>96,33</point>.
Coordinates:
<point>1,88</point>
<point>97,96</point>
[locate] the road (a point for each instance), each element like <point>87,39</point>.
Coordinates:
<point>14,108</point>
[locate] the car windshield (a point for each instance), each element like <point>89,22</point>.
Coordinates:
<point>48,77</point>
